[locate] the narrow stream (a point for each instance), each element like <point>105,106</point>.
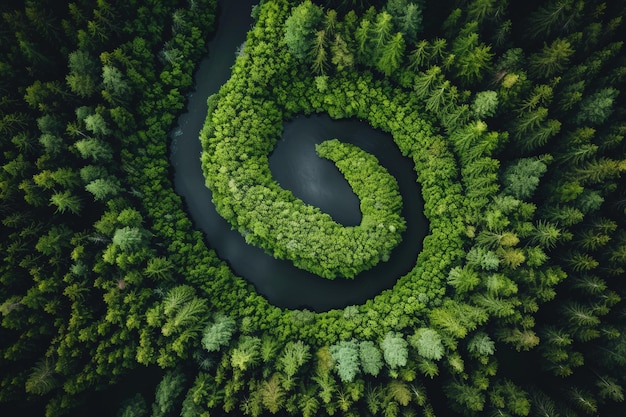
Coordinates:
<point>296,167</point>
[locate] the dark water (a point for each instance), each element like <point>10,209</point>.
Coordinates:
<point>296,167</point>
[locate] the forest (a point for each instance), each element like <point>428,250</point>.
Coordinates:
<point>513,114</point>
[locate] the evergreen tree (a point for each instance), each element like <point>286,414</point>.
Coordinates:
<point>522,178</point>
<point>391,55</point>
<point>167,393</point>
<point>596,108</point>
<point>66,201</point>
<point>129,238</point>
<point>485,104</point>
<point>551,60</point>
<point>370,357</point>
<point>41,379</point>
<point>428,343</point>
<point>103,188</point>
<point>395,350</point>
<point>294,356</point>
<point>83,77</point>
<point>218,334</point>
<point>301,27</point>
<point>346,357</point>
<point>94,149</point>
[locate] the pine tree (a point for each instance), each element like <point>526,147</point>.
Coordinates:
<point>103,188</point>
<point>41,379</point>
<point>272,394</point>
<point>247,353</point>
<point>346,357</point>
<point>463,279</point>
<point>551,60</point>
<point>167,392</point>
<point>117,90</point>
<point>370,357</point>
<point>319,54</point>
<point>294,357</point>
<point>66,201</point>
<point>419,57</point>
<point>381,32</point>
<point>341,56</point>
<point>485,104</point>
<point>465,396</point>
<point>395,350</point>
<point>481,344</point>
<point>94,149</point>
<point>391,55</point>
<point>219,333</point>
<point>553,17</point>
<point>301,27</point>
<point>427,81</point>
<point>83,77</point>
<point>428,343</point>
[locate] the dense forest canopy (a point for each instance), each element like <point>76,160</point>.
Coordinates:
<point>512,114</point>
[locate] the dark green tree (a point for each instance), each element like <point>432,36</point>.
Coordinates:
<point>301,27</point>
<point>83,77</point>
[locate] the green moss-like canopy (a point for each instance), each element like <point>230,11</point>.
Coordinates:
<point>235,162</point>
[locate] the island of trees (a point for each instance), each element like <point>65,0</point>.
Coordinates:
<point>513,115</point>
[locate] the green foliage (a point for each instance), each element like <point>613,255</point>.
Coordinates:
<point>481,344</point>
<point>370,357</point>
<point>41,379</point>
<point>463,279</point>
<point>552,59</point>
<point>68,290</point>
<point>134,406</point>
<point>294,356</point>
<point>83,76</point>
<point>218,334</point>
<point>522,178</point>
<point>96,124</point>
<point>66,201</point>
<point>596,108</point>
<point>428,343</point>
<point>346,357</point>
<point>507,396</point>
<point>168,392</point>
<point>94,149</point>
<point>129,238</point>
<point>103,188</point>
<point>300,28</point>
<point>485,104</point>
<point>246,354</point>
<point>319,245</point>
<point>395,350</point>
<point>465,396</point>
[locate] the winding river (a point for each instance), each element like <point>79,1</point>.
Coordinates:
<point>296,167</point>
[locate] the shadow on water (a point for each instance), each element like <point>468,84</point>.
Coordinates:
<point>296,167</point>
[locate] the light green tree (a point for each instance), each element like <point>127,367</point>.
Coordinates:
<point>428,343</point>
<point>95,149</point>
<point>395,350</point>
<point>346,357</point>
<point>294,356</point>
<point>370,357</point>
<point>485,104</point>
<point>65,201</point>
<point>218,334</point>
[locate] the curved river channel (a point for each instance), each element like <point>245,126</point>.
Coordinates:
<point>296,167</point>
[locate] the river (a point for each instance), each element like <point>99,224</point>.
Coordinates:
<point>296,167</point>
